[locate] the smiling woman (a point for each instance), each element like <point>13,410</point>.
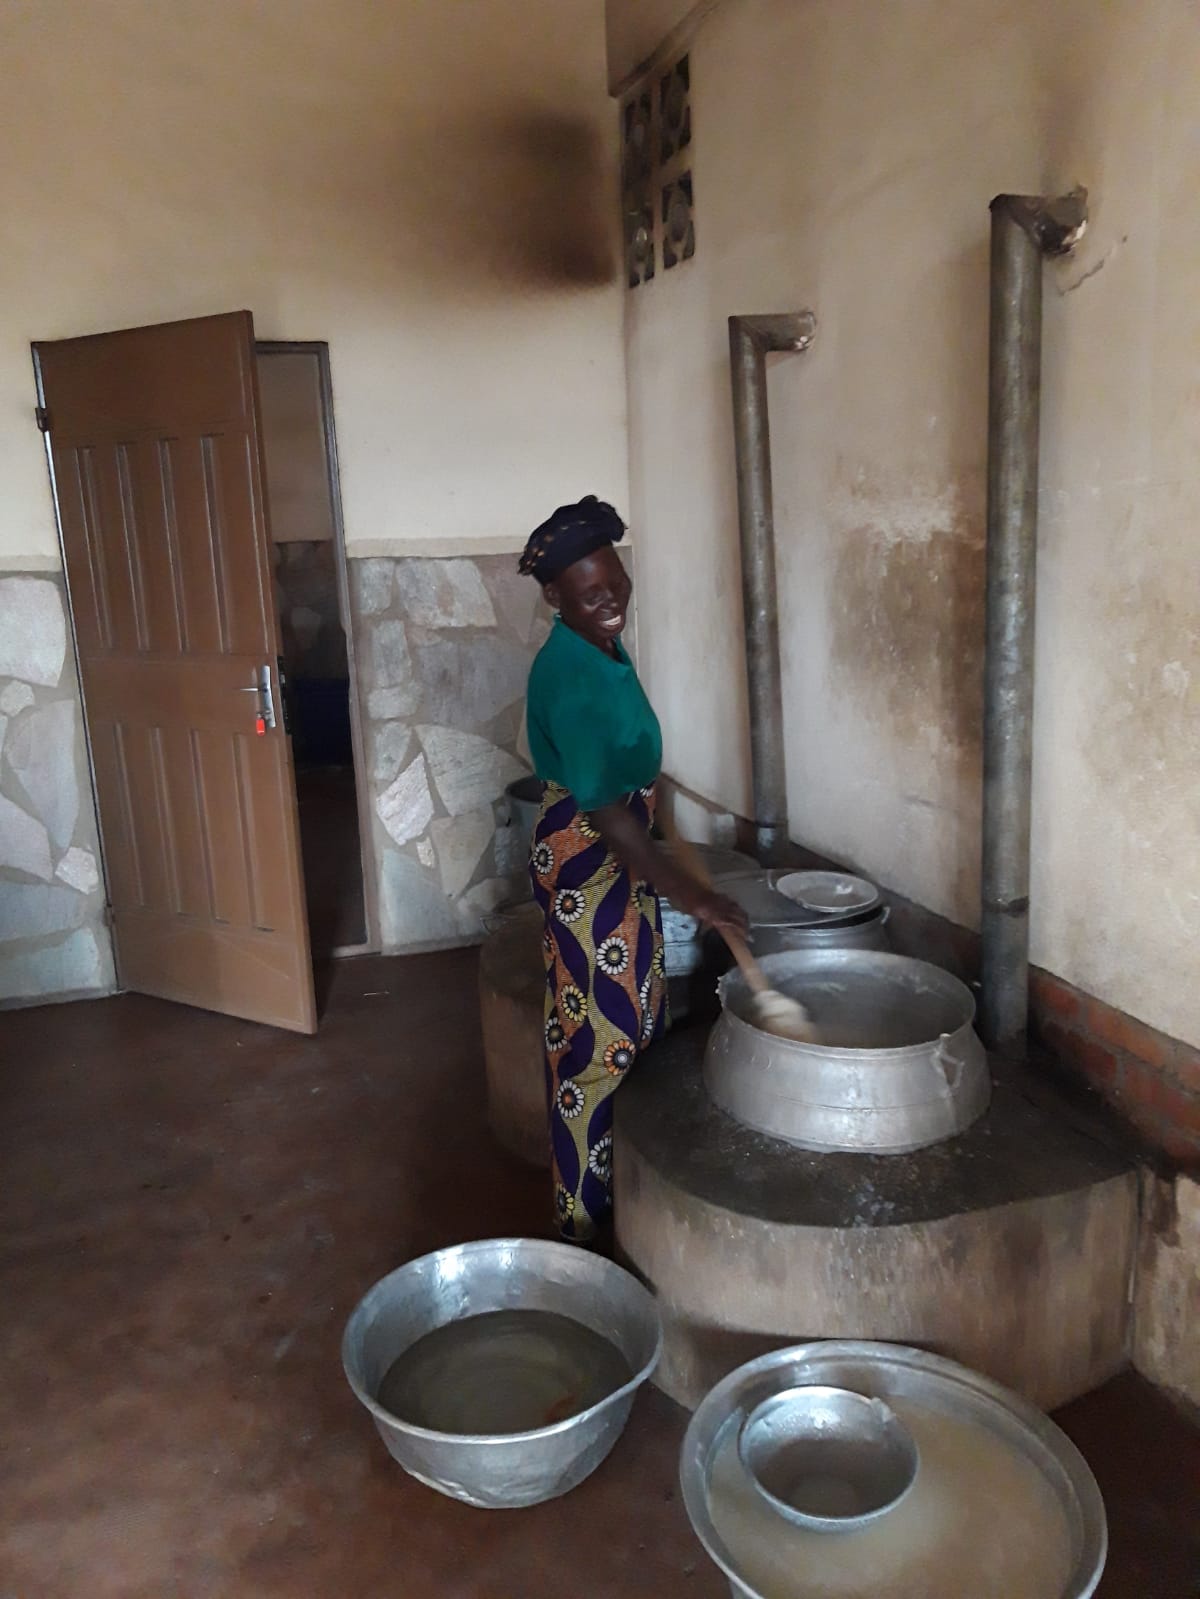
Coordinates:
<point>597,747</point>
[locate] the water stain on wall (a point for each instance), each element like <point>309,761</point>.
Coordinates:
<point>908,618</point>
<point>1141,743</point>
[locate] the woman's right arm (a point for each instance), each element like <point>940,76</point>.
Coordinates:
<point>635,849</point>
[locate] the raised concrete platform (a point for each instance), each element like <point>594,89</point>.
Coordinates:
<point>512,996</point>
<point>1010,1248</point>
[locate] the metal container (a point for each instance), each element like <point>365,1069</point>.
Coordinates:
<point>868,931</point>
<point>691,957</point>
<point>898,1065</point>
<point>682,933</point>
<point>499,1472</point>
<point>894,1373</point>
<point>780,922</point>
<point>524,799</point>
<point>828,1458</point>
<point>766,907</point>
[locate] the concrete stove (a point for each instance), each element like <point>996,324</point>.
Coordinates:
<point>1009,1248</point>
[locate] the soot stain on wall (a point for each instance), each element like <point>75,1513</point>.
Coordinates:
<point>522,199</point>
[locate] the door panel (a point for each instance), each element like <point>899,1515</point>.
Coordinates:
<point>157,463</point>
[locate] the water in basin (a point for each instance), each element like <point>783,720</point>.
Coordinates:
<point>980,1521</point>
<point>505,1371</point>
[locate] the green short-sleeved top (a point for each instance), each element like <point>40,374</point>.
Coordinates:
<point>591,728</point>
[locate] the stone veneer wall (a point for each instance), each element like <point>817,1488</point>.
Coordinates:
<point>53,937</point>
<point>443,649</point>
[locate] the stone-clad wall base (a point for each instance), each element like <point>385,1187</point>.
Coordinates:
<point>443,650</point>
<point>53,939</point>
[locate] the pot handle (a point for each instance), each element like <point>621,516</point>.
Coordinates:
<point>951,1063</point>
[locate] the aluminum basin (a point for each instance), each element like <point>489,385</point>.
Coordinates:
<point>512,1469</point>
<point>899,1376</point>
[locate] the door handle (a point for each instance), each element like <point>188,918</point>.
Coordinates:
<point>261,688</point>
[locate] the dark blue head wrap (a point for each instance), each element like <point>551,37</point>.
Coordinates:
<point>566,537</point>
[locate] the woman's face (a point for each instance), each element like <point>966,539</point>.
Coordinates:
<point>592,597</point>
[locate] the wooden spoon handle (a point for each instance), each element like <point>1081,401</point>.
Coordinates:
<point>755,977</point>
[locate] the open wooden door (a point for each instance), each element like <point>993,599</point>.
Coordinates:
<point>158,476</point>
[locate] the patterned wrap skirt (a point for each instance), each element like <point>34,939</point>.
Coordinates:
<point>606,995</point>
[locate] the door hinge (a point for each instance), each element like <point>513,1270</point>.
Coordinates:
<point>42,417</point>
<point>109,918</point>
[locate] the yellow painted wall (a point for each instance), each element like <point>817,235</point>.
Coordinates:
<point>429,186</point>
<point>845,152</point>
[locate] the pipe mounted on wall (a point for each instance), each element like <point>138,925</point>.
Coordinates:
<point>1025,229</point>
<point>751,339</point>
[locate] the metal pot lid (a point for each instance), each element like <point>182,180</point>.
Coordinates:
<point>829,893</point>
<point>724,862</point>
<point>765,906</point>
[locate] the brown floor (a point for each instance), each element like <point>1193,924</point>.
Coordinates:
<point>333,882</point>
<point>190,1207</point>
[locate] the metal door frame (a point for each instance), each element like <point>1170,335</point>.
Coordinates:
<point>320,348</point>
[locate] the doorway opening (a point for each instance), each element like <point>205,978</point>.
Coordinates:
<point>312,603</point>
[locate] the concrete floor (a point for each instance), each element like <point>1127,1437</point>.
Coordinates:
<point>190,1207</point>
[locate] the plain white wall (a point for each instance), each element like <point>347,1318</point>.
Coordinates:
<point>429,186</point>
<point>844,154</point>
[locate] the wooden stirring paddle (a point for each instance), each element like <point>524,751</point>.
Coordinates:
<point>772,1011</point>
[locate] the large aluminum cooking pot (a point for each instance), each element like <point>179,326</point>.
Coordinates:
<point>898,1065</point>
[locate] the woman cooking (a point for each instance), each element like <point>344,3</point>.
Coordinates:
<point>597,747</point>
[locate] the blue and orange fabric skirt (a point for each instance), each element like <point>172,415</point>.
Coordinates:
<point>606,995</point>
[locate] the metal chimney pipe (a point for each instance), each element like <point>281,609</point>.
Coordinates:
<point>750,340</point>
<point>1024,230</point>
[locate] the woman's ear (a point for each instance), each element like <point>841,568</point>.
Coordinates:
<point>553,598</point>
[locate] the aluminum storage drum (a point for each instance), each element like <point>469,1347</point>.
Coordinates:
<point>898,1065</point>
<point>524,801</point>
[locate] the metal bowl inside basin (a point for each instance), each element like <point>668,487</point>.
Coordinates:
<point>827,1457</point>
<point>501,1471</point>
